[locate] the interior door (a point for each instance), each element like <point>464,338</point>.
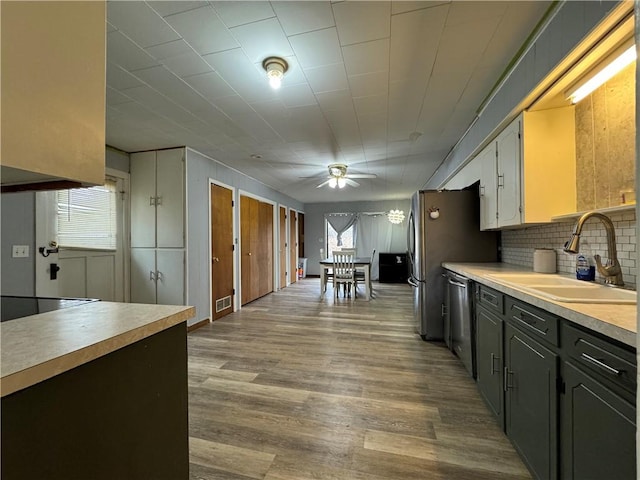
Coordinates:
<point>293,244</point>
<point>82,272</point>
<point>222,294</point>
<point>282,246</point>
<point>249,247</point>
<point>265,248</point>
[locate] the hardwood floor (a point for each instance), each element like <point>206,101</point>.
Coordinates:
<point>296,387</point>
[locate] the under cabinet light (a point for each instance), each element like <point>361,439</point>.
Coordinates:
<point>603,75</point>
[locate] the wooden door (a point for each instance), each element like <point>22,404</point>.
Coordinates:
<point>248,229</point>
<point>293,243</point>
<point>282,247</point>
<point>301,235</point>
<point>221,251</point>
<point>265,248</point>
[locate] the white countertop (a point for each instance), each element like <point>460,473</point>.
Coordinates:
<point>41,346</point>
<point>615,321</point>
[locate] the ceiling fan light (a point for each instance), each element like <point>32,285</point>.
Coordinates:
<point>341,182</point>
<point>333,182</point>
<point>395,216</point>
<point>275,68</point>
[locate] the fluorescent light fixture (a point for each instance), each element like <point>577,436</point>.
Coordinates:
<point>602,76</point>
<point>275,68</point>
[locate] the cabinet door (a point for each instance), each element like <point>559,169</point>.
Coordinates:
<point>598,430</point>
<point>488,187</point>
<point>170,198</point>
<point>143,195</point>
<point>143,274</point>
<point>509,187</point>
<point>170,277</point>
<point>531,402</point>
<point>489,361</point>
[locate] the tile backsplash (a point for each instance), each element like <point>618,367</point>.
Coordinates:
<point>518,245</point>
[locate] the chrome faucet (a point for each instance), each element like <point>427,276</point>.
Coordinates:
<point>611,272</point>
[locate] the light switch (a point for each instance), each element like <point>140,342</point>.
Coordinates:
<point>20,251</point>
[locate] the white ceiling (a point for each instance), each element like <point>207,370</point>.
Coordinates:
<point>363,76</point>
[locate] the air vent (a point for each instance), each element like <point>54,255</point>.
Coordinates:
<point>223,303</point>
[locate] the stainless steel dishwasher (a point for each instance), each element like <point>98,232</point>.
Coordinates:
<point>459,319</point>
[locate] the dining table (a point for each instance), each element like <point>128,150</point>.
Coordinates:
<point>359,263</point>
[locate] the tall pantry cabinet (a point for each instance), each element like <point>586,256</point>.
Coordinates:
<point>158,227</point>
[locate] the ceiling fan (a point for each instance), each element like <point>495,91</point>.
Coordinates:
<point>338,177</point>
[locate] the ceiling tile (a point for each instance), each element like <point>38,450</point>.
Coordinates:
<point>120,79</point>
<point>398,7</point>
<point>338,100</point>
<point>210,85</point>
<point>166,8</point>
<point>186,64</point>
<point>123,52</point>
<point>140,23</point>
<point>298,95</point>
<point>169,49</point>
<point>262,39</point>
<point>370,105</point>
<point>327,78</point>
<point>158,104</point>
<point>233,105</point>
<point>369,84</point>
<point>315,49</point>
<point>241,13</point>
<point>203,30</point>
<point>362,21</point>
<point>300,17</point>
<point>367,57</point>
<point>114,97</point>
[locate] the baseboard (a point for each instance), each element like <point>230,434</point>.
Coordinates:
<point>197,325</point>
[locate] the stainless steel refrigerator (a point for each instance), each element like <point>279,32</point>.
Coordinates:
<point>444,226</point>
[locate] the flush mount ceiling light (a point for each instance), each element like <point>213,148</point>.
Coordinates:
<point>395,216</point>
<point>275,68</point>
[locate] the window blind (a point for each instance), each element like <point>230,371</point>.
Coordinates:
<point>87,217</point>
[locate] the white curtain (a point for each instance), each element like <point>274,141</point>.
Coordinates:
<point>374,233</point>
<point>341,222</point>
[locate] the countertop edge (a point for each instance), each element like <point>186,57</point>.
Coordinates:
<point>563,310</point>
<point>27,377</point>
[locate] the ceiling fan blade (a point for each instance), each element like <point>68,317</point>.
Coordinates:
<point>323,184</point>
<point>353,183</point>
<point>362,175</point>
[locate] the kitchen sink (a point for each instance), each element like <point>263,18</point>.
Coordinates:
<point>521,279</point>
<point>589,293</point>
<point>569,290</point>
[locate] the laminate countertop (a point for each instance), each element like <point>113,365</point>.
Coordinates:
<point>38,347</point>
<point>612,320</point>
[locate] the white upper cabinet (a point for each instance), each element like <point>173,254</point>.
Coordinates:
<point>527,172</point>
<point>53,92</point>
<point>158,199</point>
<point>508,176</point>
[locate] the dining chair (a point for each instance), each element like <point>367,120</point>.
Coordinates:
<point>327,272</point>
<point>360,274</point>
<point>344,273</point>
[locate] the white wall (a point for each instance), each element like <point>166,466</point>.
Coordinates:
<point>314,226</point>
<point>200,169</point>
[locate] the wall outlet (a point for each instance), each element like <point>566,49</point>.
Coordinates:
<point>20,251</point>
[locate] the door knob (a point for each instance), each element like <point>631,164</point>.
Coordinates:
<point>215,259</point>
<point>249,253</point>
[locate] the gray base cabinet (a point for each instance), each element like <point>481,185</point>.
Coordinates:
<point>489,364</point>
<point>564,394</point>
<point>598,430</point>
<point>530,376</point>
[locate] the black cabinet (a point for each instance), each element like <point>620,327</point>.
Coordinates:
<point>393,268</point>
<point>531,414</point>
<point>598,430</point>
<point>489,361</point>
<point>598,408</point>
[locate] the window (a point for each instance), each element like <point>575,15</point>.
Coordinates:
<point>87,217</point>
<point>332,238</point>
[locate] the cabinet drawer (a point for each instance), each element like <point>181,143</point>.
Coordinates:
<point>601,357</point>
<point>533,320</point>
<point>490,299</point>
